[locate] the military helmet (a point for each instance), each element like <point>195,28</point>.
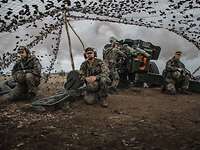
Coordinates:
<point>125,45</point>
<point>178,52</point>
<point>90,49</point>
<point>112,39</point>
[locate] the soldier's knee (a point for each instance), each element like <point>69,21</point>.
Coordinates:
<point>29,76</point>
<point>171,89</point>
<point>170,86</point>
<point>90,99</point>
<point>32,79</point>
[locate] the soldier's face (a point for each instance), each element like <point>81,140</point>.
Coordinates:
<point>178,56</point>
<point>22,54</point>
<point>115,45</point>
<point>140,57</point>
<point>90,55</point>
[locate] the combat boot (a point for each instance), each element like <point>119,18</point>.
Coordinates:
<point>4,99</point>
<point>171,92</point>
<point>31,96</point>
<point>104,103</point>
<point>186,92</point>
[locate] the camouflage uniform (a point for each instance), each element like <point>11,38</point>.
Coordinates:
<point>125,75</point>
<point>176,76</point>
<point>6,86</point>
<point>112,57</point>
<point>27,75</point>
<point>98,89</point>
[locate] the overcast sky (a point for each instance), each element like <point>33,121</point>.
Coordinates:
<point>97,34</point>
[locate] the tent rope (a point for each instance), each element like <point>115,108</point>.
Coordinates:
<point>76,35</point>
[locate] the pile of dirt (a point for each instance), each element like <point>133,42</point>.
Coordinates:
<point>136,119</point>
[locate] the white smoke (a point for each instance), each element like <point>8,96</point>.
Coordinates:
<point>96,34</point>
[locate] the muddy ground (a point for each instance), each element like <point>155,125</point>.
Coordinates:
<point>136,119</point>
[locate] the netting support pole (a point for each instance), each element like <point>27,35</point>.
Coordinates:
<point>77,36</point>
<point>69,40</point>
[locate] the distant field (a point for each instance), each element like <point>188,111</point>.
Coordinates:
<point>54,84</point>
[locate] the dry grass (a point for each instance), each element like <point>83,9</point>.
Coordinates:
<point>54,84</point>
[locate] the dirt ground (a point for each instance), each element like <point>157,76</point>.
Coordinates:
<point>136,119</point>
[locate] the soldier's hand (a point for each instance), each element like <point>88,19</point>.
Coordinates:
<point>93,78</point>
<point>90,79</point>
<point>19,76</point>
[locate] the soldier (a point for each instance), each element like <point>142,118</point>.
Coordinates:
<point>27,73</point>
<point>96,76</point>
<point>176,75</point>
<point>112,58</point>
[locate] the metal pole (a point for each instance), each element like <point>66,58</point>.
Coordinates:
<point>69,40</point>
<point>77,35</point>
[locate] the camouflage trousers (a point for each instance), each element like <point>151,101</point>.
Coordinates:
<point>114,75</point>
<point>4,86</point>
<point>26,85</point>
<point>175,81</point>
<point>96,91</point>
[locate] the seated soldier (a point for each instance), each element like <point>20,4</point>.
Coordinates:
<point>96,76</point>
<point>26,72</point>
<point>176,76</point>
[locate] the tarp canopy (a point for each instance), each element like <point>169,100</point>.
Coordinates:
<point>179,16</point>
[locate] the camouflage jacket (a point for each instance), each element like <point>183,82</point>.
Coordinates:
<point>97,68</point>
<point>113,54</point>
<point>30,65</point>
<point>112,57</point>
<point>173,65</point>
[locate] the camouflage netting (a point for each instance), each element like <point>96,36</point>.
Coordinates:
<point>44,20</point>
